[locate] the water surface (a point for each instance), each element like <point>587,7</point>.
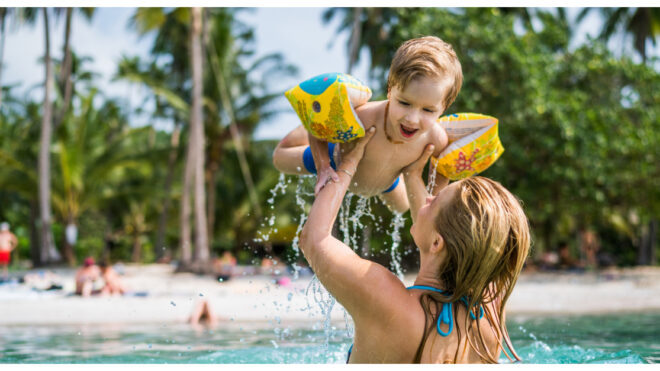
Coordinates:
<point>629,338</point>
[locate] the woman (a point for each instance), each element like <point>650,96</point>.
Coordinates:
<point>473,238</point>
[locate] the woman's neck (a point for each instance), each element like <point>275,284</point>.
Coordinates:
<point>426,277</point>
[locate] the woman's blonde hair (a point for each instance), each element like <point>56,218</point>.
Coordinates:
<point>486,238</point>
<point>427,56</point>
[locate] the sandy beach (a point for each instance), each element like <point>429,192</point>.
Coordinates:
<point>255,298</point>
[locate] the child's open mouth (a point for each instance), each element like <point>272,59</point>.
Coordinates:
<point>407,132</point>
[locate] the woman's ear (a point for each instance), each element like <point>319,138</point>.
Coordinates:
<point>438,243</point>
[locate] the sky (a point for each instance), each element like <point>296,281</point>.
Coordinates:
<point>298,33</point>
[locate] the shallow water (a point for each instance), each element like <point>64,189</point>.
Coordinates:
<point>631,338</point>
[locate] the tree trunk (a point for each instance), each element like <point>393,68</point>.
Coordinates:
<point>188,172</point>
<point>197,128</point>
<point>65,72</point>
<point>356,35</point>
<point>49,253</point>
<point>162,250</point>
<point>3,16</point>
<point>137,248</point>
<point>35,247</point>
<point>646,250</point>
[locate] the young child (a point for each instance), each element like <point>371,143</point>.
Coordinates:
<point>425,78</point>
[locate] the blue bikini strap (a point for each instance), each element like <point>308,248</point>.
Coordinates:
<point>446,315</point>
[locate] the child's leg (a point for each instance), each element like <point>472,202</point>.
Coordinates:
<point>288,155</point>
<point>397,199</point>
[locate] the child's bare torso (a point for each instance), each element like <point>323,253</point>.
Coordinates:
<point>384,159</point>
<point>6,241</point>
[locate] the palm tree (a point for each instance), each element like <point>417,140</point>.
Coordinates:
<point>354,41</point>
<point>171,27</point>
<point>230,83</point>
<point>64,81</point>
<point>196,144</point>
<point>371,28</point>
<point>49,252</point>
<point>643,24</point>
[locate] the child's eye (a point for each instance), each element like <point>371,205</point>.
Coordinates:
<point>404,103</point>
<point>429,110</point>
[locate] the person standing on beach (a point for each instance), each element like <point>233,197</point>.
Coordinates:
<point>8,242</point>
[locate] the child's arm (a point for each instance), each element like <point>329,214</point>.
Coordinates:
<point>324,171</point>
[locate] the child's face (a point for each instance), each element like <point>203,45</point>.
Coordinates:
<point>415,109</point>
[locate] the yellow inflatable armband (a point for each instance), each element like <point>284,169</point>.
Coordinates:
<point>325,105</point>
<point>474,145</point>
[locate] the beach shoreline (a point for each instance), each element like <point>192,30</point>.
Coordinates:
<point>169,297</point>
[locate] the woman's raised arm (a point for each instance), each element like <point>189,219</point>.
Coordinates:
<point>355,282</point>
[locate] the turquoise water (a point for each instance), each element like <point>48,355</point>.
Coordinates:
<point>577,339</point>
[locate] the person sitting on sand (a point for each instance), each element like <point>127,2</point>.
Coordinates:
<point>8,242</point>
<point>113,285</point>
<point>86,276</point>
<point>473,239</point>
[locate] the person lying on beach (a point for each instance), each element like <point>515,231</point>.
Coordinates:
<point>86,276</point>
<point>473,238</point>
<point>113,284</point>
<point>425,78</point>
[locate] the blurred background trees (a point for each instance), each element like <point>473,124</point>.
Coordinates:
<point>580,124</point>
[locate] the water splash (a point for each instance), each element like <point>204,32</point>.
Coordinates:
<point>344,215</point>
<point>280,188</point>
<point>300,201</point>
<point>325,303</point>
<point>398,222</point>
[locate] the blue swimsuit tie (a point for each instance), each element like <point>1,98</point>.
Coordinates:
<point>446,316</point>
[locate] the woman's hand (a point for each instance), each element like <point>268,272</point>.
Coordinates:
<point>351,155</point>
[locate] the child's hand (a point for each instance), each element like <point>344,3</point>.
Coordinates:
<point>324,175</point>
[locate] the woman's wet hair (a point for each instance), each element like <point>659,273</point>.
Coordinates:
<point>486,239</point>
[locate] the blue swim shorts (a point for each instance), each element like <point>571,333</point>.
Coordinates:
<point>308,160</point>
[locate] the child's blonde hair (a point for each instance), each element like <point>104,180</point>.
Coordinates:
<point>426,56</point>
<point>486,237</point>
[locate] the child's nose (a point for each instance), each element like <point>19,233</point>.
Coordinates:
<point>412,116</point>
